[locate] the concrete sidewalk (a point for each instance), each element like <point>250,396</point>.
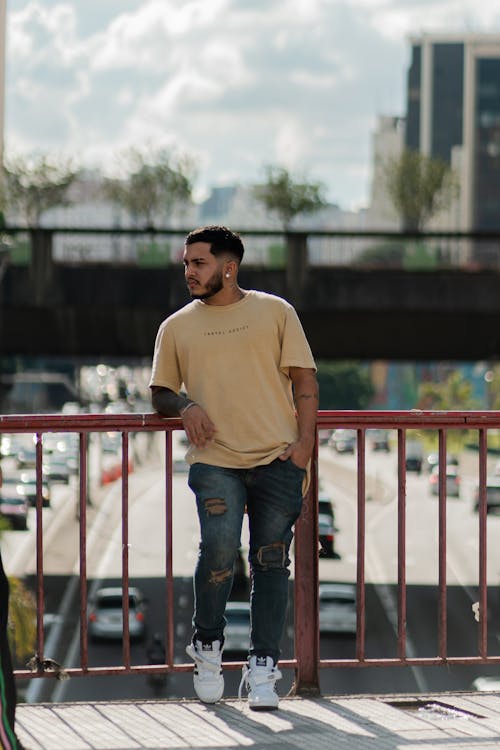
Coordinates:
<point>451,721</point>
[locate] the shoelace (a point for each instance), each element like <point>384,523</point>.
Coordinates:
<point>201,659</point>
<point>258,678</point>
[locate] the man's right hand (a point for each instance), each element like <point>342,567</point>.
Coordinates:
<point>198,426</point>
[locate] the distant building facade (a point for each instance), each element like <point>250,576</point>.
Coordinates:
<point>453,112</point>
<point>387,144</point>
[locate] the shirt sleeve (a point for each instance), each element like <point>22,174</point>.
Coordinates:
<point>295,349</point>
<point>165,371</point>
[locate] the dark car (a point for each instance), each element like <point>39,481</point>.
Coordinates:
<point>492,494</point>
<point>56,469</point>
<point>343,441</point>
<point>326,528</point>
<point>14,509</point>
<point>378,440</point>
<point>414,456</point>
<point>23,484</point>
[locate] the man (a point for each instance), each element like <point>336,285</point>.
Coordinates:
<point>250,416</point>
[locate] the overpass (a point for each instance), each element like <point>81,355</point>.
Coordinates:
<point>353,304</point>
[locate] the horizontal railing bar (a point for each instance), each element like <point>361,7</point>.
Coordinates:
<point>330,419</point>
<point>361,233</point>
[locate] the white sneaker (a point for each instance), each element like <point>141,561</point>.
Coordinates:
<point>259,679</point>
<point>207,676</point>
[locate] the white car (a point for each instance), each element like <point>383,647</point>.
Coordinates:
<point>486,684</point>
<point>337,608</point>
<point>237,630</point>
<point>105,618</point>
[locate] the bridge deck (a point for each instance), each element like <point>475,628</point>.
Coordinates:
<point>453,721</point>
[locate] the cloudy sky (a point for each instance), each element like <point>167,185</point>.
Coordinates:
<point>235,84</point>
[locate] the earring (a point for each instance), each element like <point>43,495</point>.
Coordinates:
<point>228,275</point>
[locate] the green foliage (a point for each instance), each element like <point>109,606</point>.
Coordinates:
<point>22,619</point>
<point>493,386</point>
<point>33,184</point>
<point>288,197</point>
<point>418,187</point>
<point>454,394</point>
<point>344,385</point>
<point>154,181</point>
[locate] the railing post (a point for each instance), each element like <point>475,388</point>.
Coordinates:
<point>306,591</point>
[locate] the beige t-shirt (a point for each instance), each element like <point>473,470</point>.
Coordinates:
<point>233,360</point>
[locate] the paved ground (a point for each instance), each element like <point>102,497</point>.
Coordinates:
<point>458,721</point>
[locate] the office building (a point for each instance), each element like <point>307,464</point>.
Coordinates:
<point>453,112</point>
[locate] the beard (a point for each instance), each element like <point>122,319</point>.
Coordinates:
<point>212,286</point>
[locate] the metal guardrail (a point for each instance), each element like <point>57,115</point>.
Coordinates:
<point>265,248</point>
<point>306,662</point>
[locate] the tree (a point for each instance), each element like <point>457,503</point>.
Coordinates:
<point>33,184</point>
<point>455,394</point>
<point>344,385</point>
<point>288,197</point>
<point>418,187</point>
<point>154,181</point>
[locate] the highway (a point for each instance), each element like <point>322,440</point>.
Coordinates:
<point>338,480</point>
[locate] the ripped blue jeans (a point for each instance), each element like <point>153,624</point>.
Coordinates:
<point>272,497</point>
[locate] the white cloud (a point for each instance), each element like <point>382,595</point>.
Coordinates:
<point>236,83</point>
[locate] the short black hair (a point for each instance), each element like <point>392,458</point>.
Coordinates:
<point>221,239</point>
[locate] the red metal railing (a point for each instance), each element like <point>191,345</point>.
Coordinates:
<point>306,661</point>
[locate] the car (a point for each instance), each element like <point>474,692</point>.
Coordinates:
<point>486,684</point>
<point>56,469</point>
<point>24,484</point>
<point>343,441</point>
<point>326,527</point>
<point>337,608</point>
<point>63,445</point>
<point>14,509</point>
<point>452,481</point>
<point>378,440</point>
<point>26,458</point>
<point>324,436</point>
<point>414,456</point>
<point>325,506</point>
<point>180,466</point>
<point>237,630</point>
<point>492,494</point>
<point>111,442</point>
<point>432,460</point>
<point>326,535</point>
<point>105,617</point>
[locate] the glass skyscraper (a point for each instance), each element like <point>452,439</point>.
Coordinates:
<point>453,112</point>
